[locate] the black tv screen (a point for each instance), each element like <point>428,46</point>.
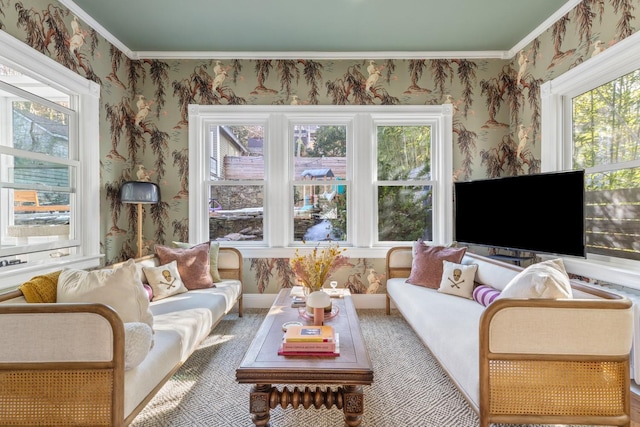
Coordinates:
<point>540,213</point>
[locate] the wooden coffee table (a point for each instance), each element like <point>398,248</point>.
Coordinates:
<point>263,366</point>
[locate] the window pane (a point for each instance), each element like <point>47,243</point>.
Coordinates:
<point>36,172</point>
<point>236,153</point>
<point>236,212</point>
<point>606,123</point>
<point>40,129</point>
<point>320,152</point>
<point>319,212</point>
<point>36,217</point>
<point>613,213</point>
<point>405,213</point>
<point>320,207</point>
<point>15,78</point>
<point>606,126</point>
<point>404,152</point>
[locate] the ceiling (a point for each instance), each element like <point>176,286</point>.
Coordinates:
<point>340,27</point>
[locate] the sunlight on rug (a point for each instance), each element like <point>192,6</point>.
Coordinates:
<point>409,389</point>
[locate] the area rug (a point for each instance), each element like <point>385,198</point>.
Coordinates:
<point>409,389</point>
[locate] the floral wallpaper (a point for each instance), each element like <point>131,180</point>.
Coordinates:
<point>143,114</point>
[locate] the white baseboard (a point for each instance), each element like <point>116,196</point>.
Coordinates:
<point>377,301</point>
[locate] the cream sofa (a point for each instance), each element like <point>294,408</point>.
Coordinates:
<point>63,364</point>
<point>523,360</point>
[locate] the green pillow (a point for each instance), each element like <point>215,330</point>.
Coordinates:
<point>213,256</point>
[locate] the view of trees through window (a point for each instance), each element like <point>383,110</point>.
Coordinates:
<point>320,183</point>
<point>319,200</point>
<point>606,143</point>
<point>404,157</point>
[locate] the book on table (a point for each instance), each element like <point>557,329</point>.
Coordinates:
<point>298,302</point>
<point>313,348</point>
<point>307,333</point>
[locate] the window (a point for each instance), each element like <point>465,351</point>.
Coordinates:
<point>368,177</point>
<point>591,121</point>
<point>48,165</point>
<point>404,183</point>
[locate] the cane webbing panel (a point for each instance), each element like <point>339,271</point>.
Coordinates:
<point>533,387</point>
<point>56,397</point>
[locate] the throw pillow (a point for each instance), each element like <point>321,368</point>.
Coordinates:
<point>41,288</point>
<point>485,295</point>
<point>138,338</point>
<point>214,249</point>
<point>193,264</point>
<point>149,291</point>
<point>547,279</point>
<point>120,288</point>
<point>165,280</point>
<point>458,279</point>
<point>426,267</point>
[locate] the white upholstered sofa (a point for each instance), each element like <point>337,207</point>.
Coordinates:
<point>516,361</point>
<point>64,363</point>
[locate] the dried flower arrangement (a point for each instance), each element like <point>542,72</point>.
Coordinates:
<point>313,269</point>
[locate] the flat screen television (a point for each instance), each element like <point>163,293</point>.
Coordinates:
<point>539,213</point>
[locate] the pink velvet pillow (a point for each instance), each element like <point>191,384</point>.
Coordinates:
<point>426,267</point>
<point>193,264</point>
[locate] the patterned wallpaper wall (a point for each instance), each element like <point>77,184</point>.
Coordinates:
<point>143,114</point>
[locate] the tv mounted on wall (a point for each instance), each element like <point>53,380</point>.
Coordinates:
<point>540,213</point>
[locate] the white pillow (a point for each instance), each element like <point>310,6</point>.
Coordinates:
<point>165,280</point>
<point>547,279</point>
<point>120,288</point>
<point>457,279</point>
<point>138,338</point>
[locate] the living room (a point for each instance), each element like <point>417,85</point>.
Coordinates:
<point>498,116</point>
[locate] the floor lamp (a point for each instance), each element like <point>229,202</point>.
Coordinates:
<point>139,192</point>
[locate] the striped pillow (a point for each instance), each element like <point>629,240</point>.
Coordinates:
<point>485,295</point>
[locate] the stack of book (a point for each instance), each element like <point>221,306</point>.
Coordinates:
<point>298,301</point>
<point>310,341</point>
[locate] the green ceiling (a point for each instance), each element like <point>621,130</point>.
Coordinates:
<point>318,26</point>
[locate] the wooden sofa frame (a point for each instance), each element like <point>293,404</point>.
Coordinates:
<point>65,392</point>
<point>561,375</point>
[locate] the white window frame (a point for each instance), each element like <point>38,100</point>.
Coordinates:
<point>86,93</point>
<point>278,122</point>
<point>556,96</point>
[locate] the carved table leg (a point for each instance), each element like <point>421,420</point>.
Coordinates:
<point>259,404</point>
<point>353,405</point>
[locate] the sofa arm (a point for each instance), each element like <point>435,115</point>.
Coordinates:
<point>555,361</point>
<point>230,263</point>
<point>61,364</point>
<point>565,327</point>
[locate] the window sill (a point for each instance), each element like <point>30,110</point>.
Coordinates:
<point>624,274</point>
<point>289,252</point>
<point>11,277</point>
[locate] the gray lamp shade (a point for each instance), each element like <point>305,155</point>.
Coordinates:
<point>139,192</point>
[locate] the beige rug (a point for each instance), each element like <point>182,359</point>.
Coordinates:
<point>409,389</point>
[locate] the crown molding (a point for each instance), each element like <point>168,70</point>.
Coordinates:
<point>493,54</point>
<point>80,13</point>
<point>324,55</point>
<point>566,8</point>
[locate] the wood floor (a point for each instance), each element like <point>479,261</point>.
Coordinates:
<point>635,410</point>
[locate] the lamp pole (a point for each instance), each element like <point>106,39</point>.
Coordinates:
<point>139,230</point>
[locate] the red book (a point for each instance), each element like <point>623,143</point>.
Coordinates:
<point>307,353</point>
<point>309,346</point>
